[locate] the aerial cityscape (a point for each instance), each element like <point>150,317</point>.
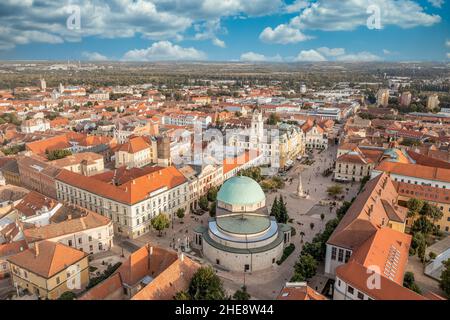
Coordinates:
<point>225,150</point>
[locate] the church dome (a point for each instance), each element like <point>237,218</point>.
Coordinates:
<point>241,190</point>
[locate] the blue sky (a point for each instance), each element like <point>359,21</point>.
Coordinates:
<point>225,30</point>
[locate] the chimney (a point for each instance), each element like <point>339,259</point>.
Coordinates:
<point>36,249</point>
<point>69,217</point>
<point>182,257</point>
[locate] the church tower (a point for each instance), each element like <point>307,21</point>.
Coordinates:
<point>257,128</point>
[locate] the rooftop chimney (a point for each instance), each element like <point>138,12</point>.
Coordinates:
<point>182,257</point>
<point>36,249</point>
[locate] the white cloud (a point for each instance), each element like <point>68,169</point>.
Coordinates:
<point>257,57</point>
<point>448,55</point>
<point>359,57</point>
<point>93,56</point>
<point>310,56</point>
<point>447,43</point>
<point>386,51</point>
<point>154,20</point>
<point>351,14</point>
<point>347,15</point>
<point>208,31</point>
<point>164,50</point>
<point>436,3</point>
<point>334,52</point>
<point>282,34</point>
<point>296,6</point>
<point>219,43</point>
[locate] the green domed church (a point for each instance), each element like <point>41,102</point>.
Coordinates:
<point>242,236</point>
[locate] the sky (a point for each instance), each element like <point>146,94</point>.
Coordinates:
<point>225,30</point>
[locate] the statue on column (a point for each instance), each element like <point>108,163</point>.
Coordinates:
<point>300,191</point>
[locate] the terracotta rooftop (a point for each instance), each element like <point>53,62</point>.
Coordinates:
<point>141,263</point>
<point>33,202</point>
<point>109,289</point>
<point>50,258</point>
<point>367,214</point>
<point>415,170</point>
<point>357,276</point>
<point>299,291</point>
<point>172,280</point>
<point>130,192</point>
<point>90,221</point>
<point>134,145</point>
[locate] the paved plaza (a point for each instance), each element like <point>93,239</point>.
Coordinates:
<point>266,284</point>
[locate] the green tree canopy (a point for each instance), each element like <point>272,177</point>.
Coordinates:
<point>305,268</point>
<point>68,295</point>
<point>241,294</point>
<point>203,203</point>
<point>160,222</point>
<point>415,206</point>
<point>58,154</point>
<point>334,190</point>
<point>206,285</point>
<point>180,213</point>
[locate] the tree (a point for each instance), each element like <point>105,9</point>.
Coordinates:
<point>415,206</point>
<point>57,154</point>
<point>180,213</point>
<point>431,211</point>
<point>212,209</point>
<point>182,295</point>
<point>160,222</point>
<point>206,285</point>
<point>241,294</point>
<point>275,210</point>
<point>283,216</point>
<point>423,225</point>
<point>334,190</point>
<point>445,278</point>
<point>419,245</point>
<point>68,295</point>
<point>305,268</point>
<point>410,283</point>
<point>273,119</point>
<point>203,203</point>
<point>212,194</point>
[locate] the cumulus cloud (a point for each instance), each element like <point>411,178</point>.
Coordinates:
<point>447,43</point>
<point>296,6</point>
<point>20,21</point>
<point>310,56</point>
<point>333,52</point>
<point>163,51</point>
<point>448,55</point>
<point>359,57</point>
<point>93,56</point>
<point>257,57</point>
<point>282,34</point>
<point>436,3</point>
<point>347,15</point>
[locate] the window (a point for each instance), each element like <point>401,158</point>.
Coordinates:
<point>341,255</point>
<point>360,296</point>
<point>58,280</point>
<point>91,248</point>
<point>80,240</point>
<point>347,255</point>
<point>333,253</point>
<point>70,243</point>
<point>90,238</point>
<point>351,290</point>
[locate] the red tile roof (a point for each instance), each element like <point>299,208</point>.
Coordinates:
<point>50,259</point>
